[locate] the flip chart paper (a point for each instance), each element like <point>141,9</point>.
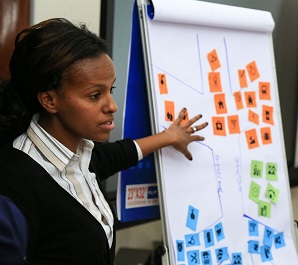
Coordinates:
<point>214,43</point>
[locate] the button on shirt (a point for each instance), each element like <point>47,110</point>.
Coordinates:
<point>69,170</point>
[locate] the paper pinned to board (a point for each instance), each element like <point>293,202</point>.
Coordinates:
<point>214,15</point>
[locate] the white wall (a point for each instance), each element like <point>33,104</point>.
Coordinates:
<point>87,11</point>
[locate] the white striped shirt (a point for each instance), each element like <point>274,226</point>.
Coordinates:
<point>69,170</point>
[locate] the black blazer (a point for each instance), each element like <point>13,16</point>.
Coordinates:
<point>60,229</point>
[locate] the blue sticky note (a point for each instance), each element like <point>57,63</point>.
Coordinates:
<point>265,253</point>
<point>268,237</point>
<point>192,218</point>
<point>208,237</point>
<point>279,240</point>
<point>219,233</point>
<point>222,254</point>
<point>193,257</point>
<point>253,246</point>
<point>237,258</point>
<point>206,257</point>
<point>253,228</point>
<point>192,240</point>
<point>180,250</point>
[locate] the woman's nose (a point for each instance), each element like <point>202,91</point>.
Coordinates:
<point>110,105</point>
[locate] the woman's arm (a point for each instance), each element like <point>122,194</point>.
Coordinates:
<point>177,135</point>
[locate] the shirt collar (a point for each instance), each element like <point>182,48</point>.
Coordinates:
<point>58,154</point>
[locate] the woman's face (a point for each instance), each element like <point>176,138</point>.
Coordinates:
<point>84,104</point>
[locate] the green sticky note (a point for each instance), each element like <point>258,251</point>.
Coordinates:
<point>264,209</point>
<point>254,191</point>
<point>256,169</point>
<point>272,193</point>
<point>271,171</point>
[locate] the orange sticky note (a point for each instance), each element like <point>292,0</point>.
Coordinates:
<point>220,103</point>
<point>219,127</point>
<point>214,82</point>
<point>242,78</point>
<point>162,82</point>
<point>213,60</point>
<point>253,71</point>
<point>253,117</point>
<point>250,99</point>
<point>185,118</point>
<point>238,100</point>
<point>267,114</point>
<point>266,135</point>
<point>169,111</point>
<point>233,124</point>
<point>264,91</point>
<point>252,138</point>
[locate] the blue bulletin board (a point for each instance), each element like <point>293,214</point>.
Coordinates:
<point>137,187</point>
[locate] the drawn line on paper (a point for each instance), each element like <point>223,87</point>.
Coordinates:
<point>200,61</point>
<point>228,65</point>
<point>179,80</point>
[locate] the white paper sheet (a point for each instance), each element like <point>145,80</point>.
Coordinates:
<point>217,182</point>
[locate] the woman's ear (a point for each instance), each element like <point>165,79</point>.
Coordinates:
<point>48,100</point>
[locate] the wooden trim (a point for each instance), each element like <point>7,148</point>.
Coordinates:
<point>14,17</point>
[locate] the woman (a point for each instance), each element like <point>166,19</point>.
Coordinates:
<point>55,113</point>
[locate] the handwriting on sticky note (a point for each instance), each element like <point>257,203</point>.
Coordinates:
<point>169,111</point>
<point>220,103</point>
<point>193,257</point>
<point>254,191</point>
<point>234,124</point>
<point>266,135</point>
<point>264,209</point>
<point>180,250</point>
<point>250,98</point>
<point>162,82</point>
<point>271,171</point>
<point>253,228</point>
<point>253,117</point>
<point>272,193</point>
<point>192,240</point>
<point>208,238</point>
<point>252,138</point>
<point>279,240</point>
<point>265,253</point>
<point>253,71</point>
<point>242,78</point>
<point>219,127</point>
<point>264,91</point>
<point>256,169</point>
<point>214,82</point>
<point>253,246</point>
<point>238,100</point>
<point>237,258</point>
<point>192,218</point>
<point>213,60</point>
<point>221,254</point>
<point>219,232</point>
<point>267,112</point>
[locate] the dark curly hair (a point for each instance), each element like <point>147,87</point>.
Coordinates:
<point>41,56</point>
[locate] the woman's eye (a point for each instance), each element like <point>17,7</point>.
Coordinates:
<point>112,89</point>
<point>95,96</point>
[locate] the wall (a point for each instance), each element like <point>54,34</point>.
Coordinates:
<point>87,11</point>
